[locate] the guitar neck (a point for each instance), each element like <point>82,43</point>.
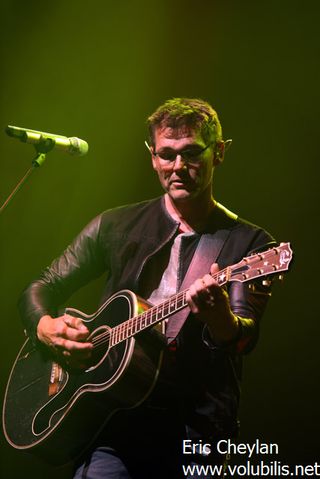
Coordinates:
<point>259,265</point>
<point>157,313</point>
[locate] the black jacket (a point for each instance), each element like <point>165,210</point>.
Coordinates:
<point>124,242</point>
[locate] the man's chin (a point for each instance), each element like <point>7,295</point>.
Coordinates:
<point>180,195</point>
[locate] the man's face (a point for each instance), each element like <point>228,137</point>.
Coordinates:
<point>184,171</point>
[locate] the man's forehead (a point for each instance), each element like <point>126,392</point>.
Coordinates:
<point>182,131</point>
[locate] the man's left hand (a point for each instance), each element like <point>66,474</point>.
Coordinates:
<point>210,304</point>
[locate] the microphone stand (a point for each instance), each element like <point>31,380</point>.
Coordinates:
<point>42,148</point>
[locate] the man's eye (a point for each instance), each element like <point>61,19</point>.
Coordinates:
<point>168,155</point>
<point>189,154</point>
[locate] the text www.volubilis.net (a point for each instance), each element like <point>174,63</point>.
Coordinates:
<point>262,469</point>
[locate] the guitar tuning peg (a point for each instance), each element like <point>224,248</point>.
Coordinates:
<point>252,286</point>
<point>281,277</point>
<point>267,282</point>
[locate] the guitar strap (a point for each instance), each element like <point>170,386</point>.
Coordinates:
<point>206,253</point>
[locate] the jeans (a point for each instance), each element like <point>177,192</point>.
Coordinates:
<point>146,446</point>
<point>104,463</point>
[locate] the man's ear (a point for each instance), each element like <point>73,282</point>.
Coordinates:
<point>220,149</point>
<point>154,162</point>
<point>218,153</point>
<point>151,150</point>
<point>153,158</point>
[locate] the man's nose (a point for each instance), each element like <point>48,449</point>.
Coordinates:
<point>179,163</point>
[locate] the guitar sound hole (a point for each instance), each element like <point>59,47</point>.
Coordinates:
<point>100,339</point>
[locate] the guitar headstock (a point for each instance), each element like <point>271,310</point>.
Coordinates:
<point>272,261</point>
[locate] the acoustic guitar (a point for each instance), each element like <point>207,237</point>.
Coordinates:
<point>57,412</point>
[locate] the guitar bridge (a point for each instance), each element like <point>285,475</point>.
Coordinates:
<point>57,379</point>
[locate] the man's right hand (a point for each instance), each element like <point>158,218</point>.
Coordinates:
<point>65,336</point>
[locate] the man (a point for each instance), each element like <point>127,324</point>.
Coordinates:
<point>147,248</point>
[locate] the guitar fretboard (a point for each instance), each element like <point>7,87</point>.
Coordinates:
<point>261,264</point>
<point>148,318</point>
<point>157,313</point>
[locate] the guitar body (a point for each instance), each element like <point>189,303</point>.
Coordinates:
<point>58,412</point>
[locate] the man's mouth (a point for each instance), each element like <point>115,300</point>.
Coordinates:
<point>179,182</point>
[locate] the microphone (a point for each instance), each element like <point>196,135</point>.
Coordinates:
<point>73,145</point>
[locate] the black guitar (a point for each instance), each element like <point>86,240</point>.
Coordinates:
<point>58,412</point>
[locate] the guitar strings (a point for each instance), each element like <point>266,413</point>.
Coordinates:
<point>153,312</point>
<point>129,325</point>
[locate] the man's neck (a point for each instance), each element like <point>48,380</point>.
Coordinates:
<point>192,215</point>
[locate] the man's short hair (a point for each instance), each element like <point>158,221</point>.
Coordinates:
<point>190,112</point>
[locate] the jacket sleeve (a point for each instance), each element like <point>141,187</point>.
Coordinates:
<point>248,305</point>
<point>81,262</point>
<point>248,302</point>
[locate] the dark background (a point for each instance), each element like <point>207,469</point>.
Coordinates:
<point>96,70</point>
